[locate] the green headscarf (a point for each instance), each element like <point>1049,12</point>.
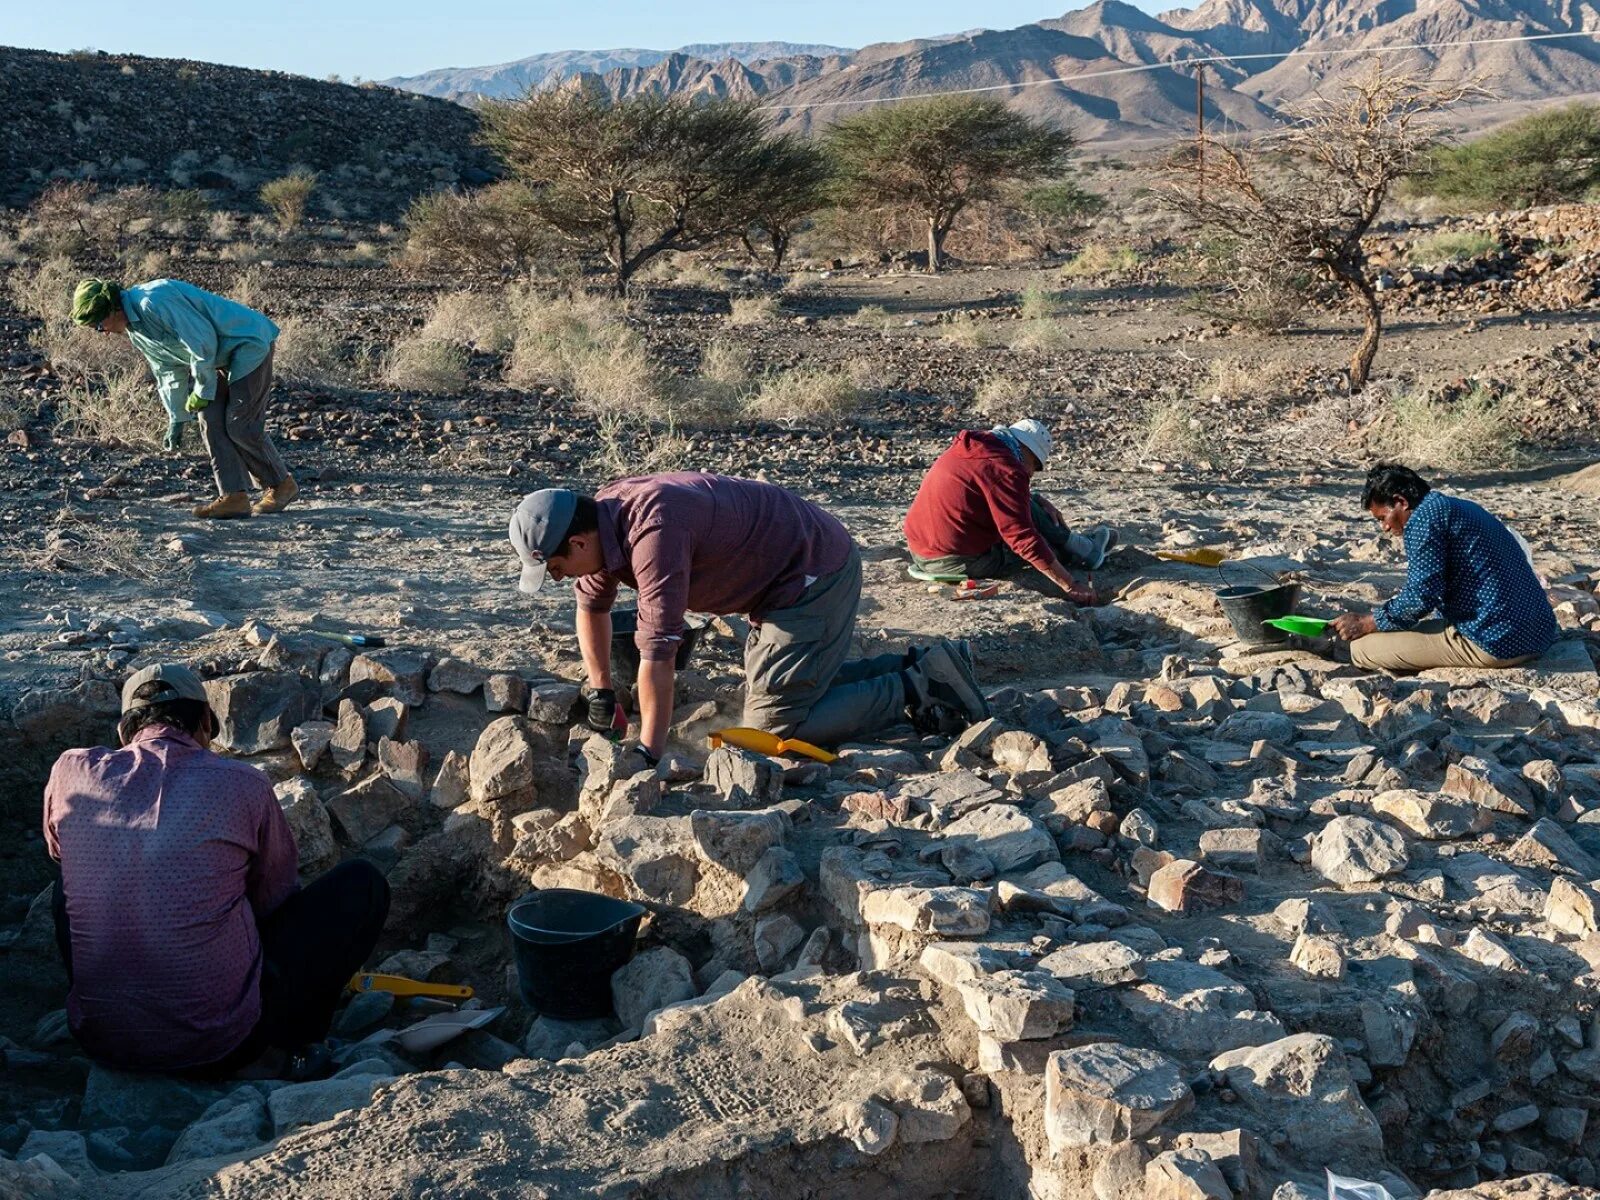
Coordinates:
<point>93,300</point>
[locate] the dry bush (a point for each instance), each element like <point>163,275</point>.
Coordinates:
<point>1044,336</point>
<point>287,197</point>
<point>221,227</point>
<point>717,397</point>
<point>875,316</point>
<point>242,252</point>
<point>149,264</point>
<point>310,352</point>
<point>471,319</point>
<point>1100,258</point>
<point>1174,430</point>
<point>1478,430</point>
<point>76,352</point>
<point>57,222</point>
<point>1002,399</point>
<point>249,287</point>
<point>117,217</point>
<point>120,407</point>
<point>423,364</point>
<point>968,331</point>
<point>108,548</point>
<point>493,229</point>
<point>1235,377</point>
<point>1039,302</point>
<point>753,310</point>
<point>1452,246</point>
<point>627,445</point>
<point>584,343</point>
<point>619,378</point>
<point>803,396</point>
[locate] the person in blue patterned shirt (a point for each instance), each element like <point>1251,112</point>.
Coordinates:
<point>1461,563</point>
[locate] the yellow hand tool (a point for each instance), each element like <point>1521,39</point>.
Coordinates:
<point>1203,556</point>
<point>763,742</point>
<point>399,985</point>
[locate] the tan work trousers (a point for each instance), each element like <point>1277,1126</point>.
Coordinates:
<point>1431,644</point>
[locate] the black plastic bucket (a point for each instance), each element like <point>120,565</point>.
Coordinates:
<point>1246,607</point>
<point>625,654</point>
<point>567,945</point>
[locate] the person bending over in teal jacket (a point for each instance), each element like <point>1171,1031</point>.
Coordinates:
<point>211,358</point>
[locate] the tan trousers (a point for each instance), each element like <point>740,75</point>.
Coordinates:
<point>234,429</point>
<point>1431,644</point>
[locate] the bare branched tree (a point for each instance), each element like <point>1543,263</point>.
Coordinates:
<point>1301,198</point>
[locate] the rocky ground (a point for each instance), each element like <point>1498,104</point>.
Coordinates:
<point>1185,919</point>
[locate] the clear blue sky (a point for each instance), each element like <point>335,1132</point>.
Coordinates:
<point>377,39</point>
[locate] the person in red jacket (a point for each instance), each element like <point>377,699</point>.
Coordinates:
<point>976,514</point>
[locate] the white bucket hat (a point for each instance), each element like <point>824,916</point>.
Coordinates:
<point>1031,434</point>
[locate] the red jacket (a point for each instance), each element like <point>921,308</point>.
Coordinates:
<point>975,495</point>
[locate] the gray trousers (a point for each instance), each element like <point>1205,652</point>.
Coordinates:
<point>1000,560</point>
<point>234,429</point>
<point>797,682</point>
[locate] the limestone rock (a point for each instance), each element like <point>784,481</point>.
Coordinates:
<point>311,740</point>
<point>1186,887</point>
<point>1318,956</point>
<point>1192,1009</point>
<point>869,1125</point>
<point>775,877</point>
<point>402,673</point>
<point>931,1105</point>
<point>1358,850</point>
<point>551,701</point>
<point>502,761</point>
<point>386,718</point>
<point>776,938</point>
<point>1490,785</point>
<point>654,856</point>
<point>404,763</point>
<point>1008,837</point>
<point>744,779</point>
<point>950,911</point>
<point>1184,1175</point>
<point>1090,965</point>
<point>1018,1006</point>
<point>651,980</point>
<point>1431,815</point>
<point>309,822</point>
<point>1573,907</point>
<point>299,1104</point>
<point>453,675</point>
<point>368,808</point>
<point>452,785</point>
<point>1107,1092</point>
<point>505,692</point>
<point>349,743</point>
<point>1301,1085</point>
<point>235,1123</point>
<point>1549,846</point>
<point>736,841</point>
<point>258,710</point>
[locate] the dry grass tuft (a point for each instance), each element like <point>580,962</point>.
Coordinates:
<point>876,316</point>
<point>1480,430</point>
<point>424,364</point>
<point>118,408</point>
<point>584,343</point>
<point>802,395</point>
<point>1174,431</point>
<point>310,352</point>
<point>249,287</point>
<point>968,331</point>
<point>1043,336</point>
<point>110,549</point>
<point>1039,302</point>
<point>753,310</point>
<point>1235,377</point>
<point>1452,247</point>
<point>1002,399</point>
<point>1099,258</point>
<point>471,319</point>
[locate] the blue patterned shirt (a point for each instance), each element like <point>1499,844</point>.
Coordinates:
<point>1467,566</point>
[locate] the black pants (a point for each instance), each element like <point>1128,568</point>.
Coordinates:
<point>310,944</point>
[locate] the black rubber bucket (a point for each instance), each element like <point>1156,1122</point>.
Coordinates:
<point>1246,607</point>
<point>625,655</point>
<point>567,945</point>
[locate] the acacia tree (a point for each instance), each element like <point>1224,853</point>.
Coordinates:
<point>1549,157</point>
<point>1301,198</point>
<point>937,157</point>
<point>630,179</point>
<point>791,187</point>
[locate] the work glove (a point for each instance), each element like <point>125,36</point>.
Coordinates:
<point>605,713</point>
<point>173,442</point>
<point>195,403</point>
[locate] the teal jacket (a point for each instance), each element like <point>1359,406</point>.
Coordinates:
<point>187,335</point>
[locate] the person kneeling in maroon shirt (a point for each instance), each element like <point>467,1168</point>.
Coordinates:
<point>189,945</point>
<point>715,544</point>
<point>976,515</point>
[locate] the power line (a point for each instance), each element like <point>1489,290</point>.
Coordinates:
<point>1332,52</point>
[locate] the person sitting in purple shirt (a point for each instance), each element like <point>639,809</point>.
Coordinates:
<point>189,945</point>
<point>715,544</point>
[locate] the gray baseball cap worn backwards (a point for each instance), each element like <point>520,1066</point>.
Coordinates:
<point>538,527</point>
<point>178,683</point>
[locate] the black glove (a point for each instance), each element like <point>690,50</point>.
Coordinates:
<point>604,714</point>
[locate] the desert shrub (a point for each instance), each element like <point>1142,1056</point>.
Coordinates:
<point>875,316</point>
<point>495,228</point>
<point>806,395</point>
<point>287,197</point>
<point>967,331</point>
<point>310,352</point>
<point>1235,377</point>
<point>753,310</point>
<point>1546,158</point>
<point>91,546</point>
<point>474,319</point>
<point>147,264</point>
<point>1038,302</point>
<point>221,226</point>
<point>185,205</point>
<point>1100,258</point>
<point>1044,335</point>
<point>626,444</point>
<point>57,221</point>
<point>1452,246</point>
<point>117,217</point>
<point>1480,429</point>
<point>1173,430</point>
<point>423,364</point>
<point>242,252</point>
<point>76,352</point>
<point>117,406</point>
<point>1262,298</point>
<point>1002,398</point>
<point>249,287</point>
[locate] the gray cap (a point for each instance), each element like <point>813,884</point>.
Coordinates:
<point>538,526</point>
<point>180,684</point>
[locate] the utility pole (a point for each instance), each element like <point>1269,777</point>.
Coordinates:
<point>1200,132</point>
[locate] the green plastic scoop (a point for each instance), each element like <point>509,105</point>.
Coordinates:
<point>1304,626</point>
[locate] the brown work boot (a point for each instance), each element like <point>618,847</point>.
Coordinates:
<point>234,504</point>
<point>277,497</point>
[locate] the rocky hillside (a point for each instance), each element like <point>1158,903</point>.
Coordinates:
<point>1108,36</point>
<point>542,70</point>
<point>126,119</point>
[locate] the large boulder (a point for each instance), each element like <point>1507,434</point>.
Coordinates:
<point>259,710</point>
<point>1489,784</point>
<point>1192,1009</point>
<point>650,981</point>
<point>1302,1086</point>
<point>309,822</point>
<point>743,779</point>
<point>1107,1092</point>
<point>502,761</point>
<point>1432,815</point>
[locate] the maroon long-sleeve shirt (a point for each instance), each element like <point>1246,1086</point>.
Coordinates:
<point>169,854</point>
<point>975,496</point>
<point>688,542</point>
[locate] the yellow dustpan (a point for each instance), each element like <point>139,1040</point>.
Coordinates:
<point>1203,556</point>
<point>763,742</point>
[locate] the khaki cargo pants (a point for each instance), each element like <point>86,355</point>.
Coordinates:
<point>797,682</point>
<point>1431,644</point>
